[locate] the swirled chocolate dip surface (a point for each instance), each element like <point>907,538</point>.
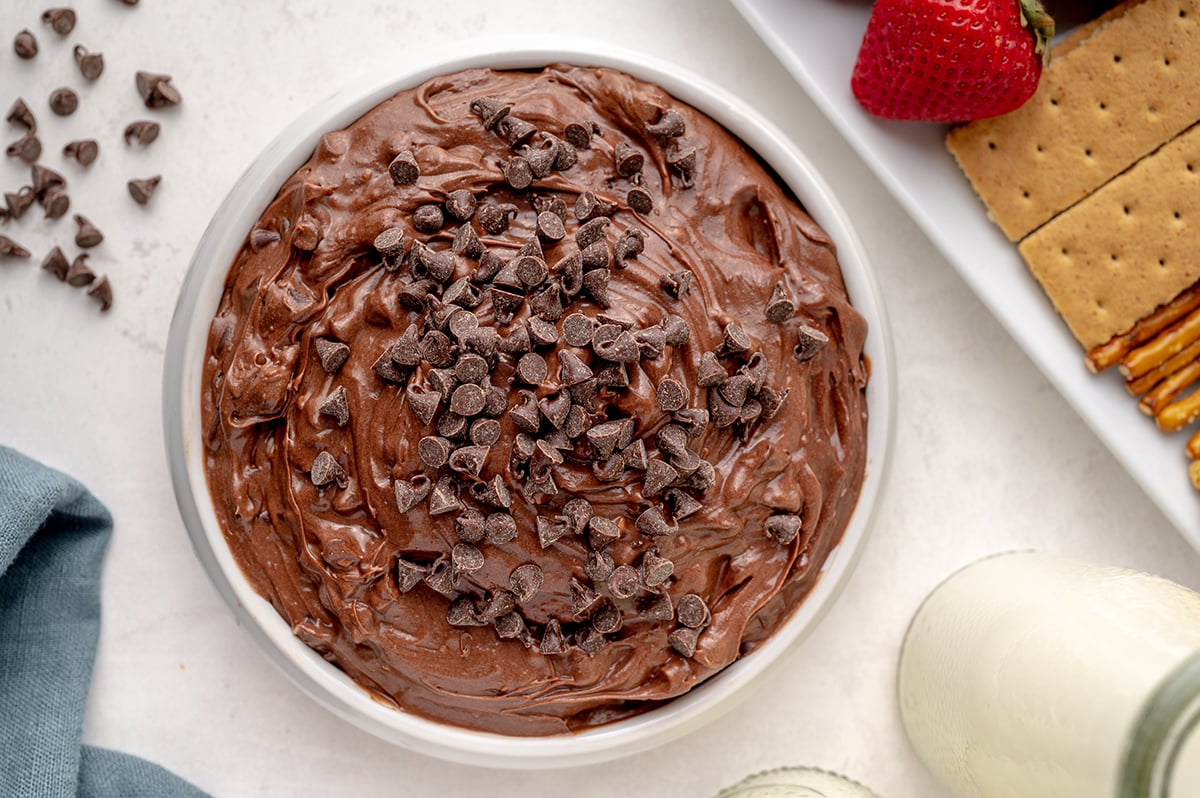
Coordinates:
<point>533,400</point>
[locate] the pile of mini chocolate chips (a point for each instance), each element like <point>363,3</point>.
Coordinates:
<point>459,373</point>
<point>47,187</point>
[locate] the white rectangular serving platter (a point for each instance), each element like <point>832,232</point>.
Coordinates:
<point>817,41</point>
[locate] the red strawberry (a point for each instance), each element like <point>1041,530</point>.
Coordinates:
<point>951,60</point>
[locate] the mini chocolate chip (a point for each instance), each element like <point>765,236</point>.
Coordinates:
<point>437,266</point>
<point>261,238</point>
<point>692,612</point>
<point>607,618</point>
<point>609,469</point>
<point>542,332</point>
<point>495,402</point>
<point>60,20</point>
<point>624,582</point>
<point>142,132</point>
<point>326,469</point>
<point>627,160</point>
<point>783,528</point>
<point>576,513</point>
<point>671,395</point>
<point>592,231</point>
<point>55,261</point>
<point>63,101</point>
<point>602,531</point>
<point>683,160</point>
<point>577,331</point>
<point>596,284</point>
<point>639,200</point>
<point>440,577</point>
<point>485,432</point>
<point>409,574</point>
<point>634,455</point>
<point>654,523</point>
<point>565,154</point>
<point>500,528</point>
<point>704,479</point>
<point>548,532</point>
<point>531,369</point>
<point>709,371</point>
<point>490,111</point>
<point>735,389</point>
<point>669,125</point>
<point>583,598</point>
<point>444,497</point>
<point>142,189</point>
<point>552,638</point>
<point>84,151</point>
<point>509,625</point>
<point>531,270</point>
<point>438,350</point>
<point>471,368</point>
<point>550,227</point>
<point>555,408</point>
<point>526,416</point>
<point>28,148</point>
<point>656,569</point>
<point>625,427</point>
<point>571,369</point>
<point>336,407</point>
<point>612,375</point>
<point>462,293</point>
<point>584,393</point>
<point>423,403</point>
<point>517,342</point>
<point>651,342</point>
<point>588,206</point>
<point>467,400</point>
<point>684,641</point>
<point>56,203</point>
<point>88,235</point>
<point>451,425</point>
<point>526,580</point>
<point>657,607</point>
<point>495,217</point>
<point>45,179</point>
<point>604,437</point>
<point>756,370</point>
<point>390,243</point>
<point>19,114</point>
<point>79,274</point>
<point>90,64</point>
<point>461,612</point>
<point>404,169</point>
<point>515,130</point>
<point>25,44</point>
<point>101,291</point>
<point>599,566</point>
<point>493,492</point>
<point>577,423</point>
<point>517,172</point>
<point>579,134</point>
<point>722,412</point>
<point>623,349</point>
<point>659,476</point>
<point>541,160</point>
<point>443,381</point>
<point>547,304</point>
<point>671,440</point>
<point>629,244</point>
<point>434,451</point>
<point>469,525</point>
<point>780,306</point>
<point>681,503</point>
<point>811,341</point>
<point>460,204</point>
<point>734,340</point>
<point>771,400</point>
<point>677,285</point>
<point>595,256</point>
<point>11,249</point>
<point>505,305</point>
<point>466,557</point>
<point>428,218</point>
<point>469,459</point>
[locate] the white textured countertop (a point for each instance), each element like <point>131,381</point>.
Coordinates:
<point>987,457</point>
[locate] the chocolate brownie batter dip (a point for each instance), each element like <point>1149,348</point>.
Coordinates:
<point>533,400</point>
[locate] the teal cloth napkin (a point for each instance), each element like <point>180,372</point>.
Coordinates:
<point>52,538</point>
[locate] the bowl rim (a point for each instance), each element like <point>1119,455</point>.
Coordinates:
<point>328,685</point>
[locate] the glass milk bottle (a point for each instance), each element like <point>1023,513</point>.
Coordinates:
<point>1032,676</point>
<point>796,783</point>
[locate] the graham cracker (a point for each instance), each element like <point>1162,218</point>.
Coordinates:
<point>1117,92</point>
<point>1126,249</point>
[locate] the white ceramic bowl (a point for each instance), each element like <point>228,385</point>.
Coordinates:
<point>327,684</point>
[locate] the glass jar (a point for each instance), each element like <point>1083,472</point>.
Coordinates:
<point>796,783</point>
<point>1027,675</point>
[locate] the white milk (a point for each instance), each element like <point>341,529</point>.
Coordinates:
<point>796,783</point>
<point>1024,676</point>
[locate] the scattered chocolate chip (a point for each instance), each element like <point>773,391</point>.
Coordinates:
<point>531,270</point>
<point>651,342</point>
<point>624,582</point>
<point>591,232</point>
<point>783,528</point>
<point>142,132</point>
<point>526,580</point>
<point>684,641</point>
<point>44,179</point>
<point>56,203</point>
<point>19,114</point>
<point>595,256</point>
<point>495,217</point>
<point>780,306</point>
<point>771,400</point>
<point>683,159</point>
<point>434,451</point>
<point>541,160</point>
<point>410,493</point>
<point>576,513</point>
<point>142,189</point>
<point>635,455</point>
<point>427,218</point>
<point>462,293</point>
<point>582,597</point>
<point>547,304</point>
<point>552,638</point>
<point>627,160</point>
<point>811,341</point>
<point>25,45</point>
<point>622,349</point>
<point>654,523</point>
<point>471,368</point>
<point>90,64</point>
<point>659,475</point>
<point>404,169</point>
<point>577,330</point>
<point>671,440</point>
<point>461,612</point>
<point>550,227</point>
<point>629,244</point>
<point>599,566</point>
<point>326,469</point>
<point>444,497</point>
<point>79,274</point>
<point>101,291</point>
<point>466,557</point>
<point>493,493</point>
<point>451,425</point>
<point>261,238</point>
<point>467,400</point>
<point>596,284</point>
<point>28,148</point>
<point>671,395</point>
<point>526,416</point>
<point>734,340</point>
<point>548,532</point>
<point>677,285</point>
<point>612,375</point>
<point>490,111</point>
<point>531,369</point>
<point>63,101</point>
<point>517,172</point>
<point>704,478</point>
<point>55,262</point>
<point>584,393</point>
<point>735,389</point>
<point>681,503</point>
<point>658,607</point>
<point>607,618</point>
<point>509,625</point>
<point>602,531</point>
<point>460,204</point>
<point>409,574</point>
<point>579,134</point>
<point>588,207</point>
<point>639,200</point>
<point>692,612</point>
<point>88,235</point>
<point>60,20</point>
<point>437,349</point>
<point>156,90</point>
<point>669,125</point>
<point>610,469</point>
<point>542,332</point>
<point>440,577</point>
<point>484,343</point>
<point>655,569</point>
<point>335,406</point>
<point>11,249</point>
<point>84,151</point>
<point>604,437</point>
<point>565,154</point>
<point>469,459</point>
<point>515,130</point>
